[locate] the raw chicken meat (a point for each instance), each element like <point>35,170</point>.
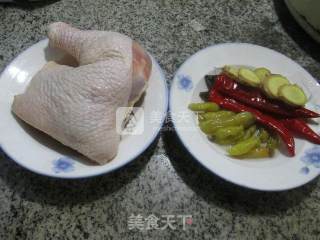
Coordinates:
<point>77,105</point>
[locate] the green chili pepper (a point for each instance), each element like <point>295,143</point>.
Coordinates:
<point>201,117</point>
<point>204,107</point>
<point>210,126</point>
<point>244,146</point>
<point>259,152</point>
<point>272,143</point>
<point>263,135</point>
<point>230,140</point>
<point>217,115</point>
<point>249,132</point>
<point>228,132</point>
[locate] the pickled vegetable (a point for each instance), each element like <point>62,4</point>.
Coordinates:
<point>259,152</point>
<point>244,146</point>
<point>218,115</point>
<point>272,84</point>
<point>263,135</point>
<point>248,77</point>
<point>245,119</point>
<point>231,71</point>
<point>229,140</point>
<point>292,94</point>
<point>201,117</point>
<point>249,132</point>
<point>228,132</point>
<point>262,73</point>
<point>204,107</point>
<point>209,127</point>
<point>272,143</point>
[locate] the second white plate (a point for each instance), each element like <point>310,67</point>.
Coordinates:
<point>271,174</point>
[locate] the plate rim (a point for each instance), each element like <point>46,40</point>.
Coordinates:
<point>182,139</point>
<point>304,24</point>
<point>131,159</point>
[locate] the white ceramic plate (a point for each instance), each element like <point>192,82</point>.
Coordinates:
<point>271,174</point>
<point>41,154</point>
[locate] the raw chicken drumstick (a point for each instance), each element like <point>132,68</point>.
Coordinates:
<point>77,105</point>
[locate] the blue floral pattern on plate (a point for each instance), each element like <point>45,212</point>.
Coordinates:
<point>185,82</point>
<point>304,170</point>
<point>311,157</point>
<point>63,164</point>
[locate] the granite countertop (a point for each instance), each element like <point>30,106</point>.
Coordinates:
<point>165,180</point>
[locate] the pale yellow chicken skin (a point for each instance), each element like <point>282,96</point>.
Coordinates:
<point>77,105</point>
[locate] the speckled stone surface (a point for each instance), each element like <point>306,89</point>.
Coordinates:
<point>164,180</point>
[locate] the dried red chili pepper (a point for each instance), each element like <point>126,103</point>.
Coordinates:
<point>301,128</point>
<point>255,98</point>
<point>233,105</point>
